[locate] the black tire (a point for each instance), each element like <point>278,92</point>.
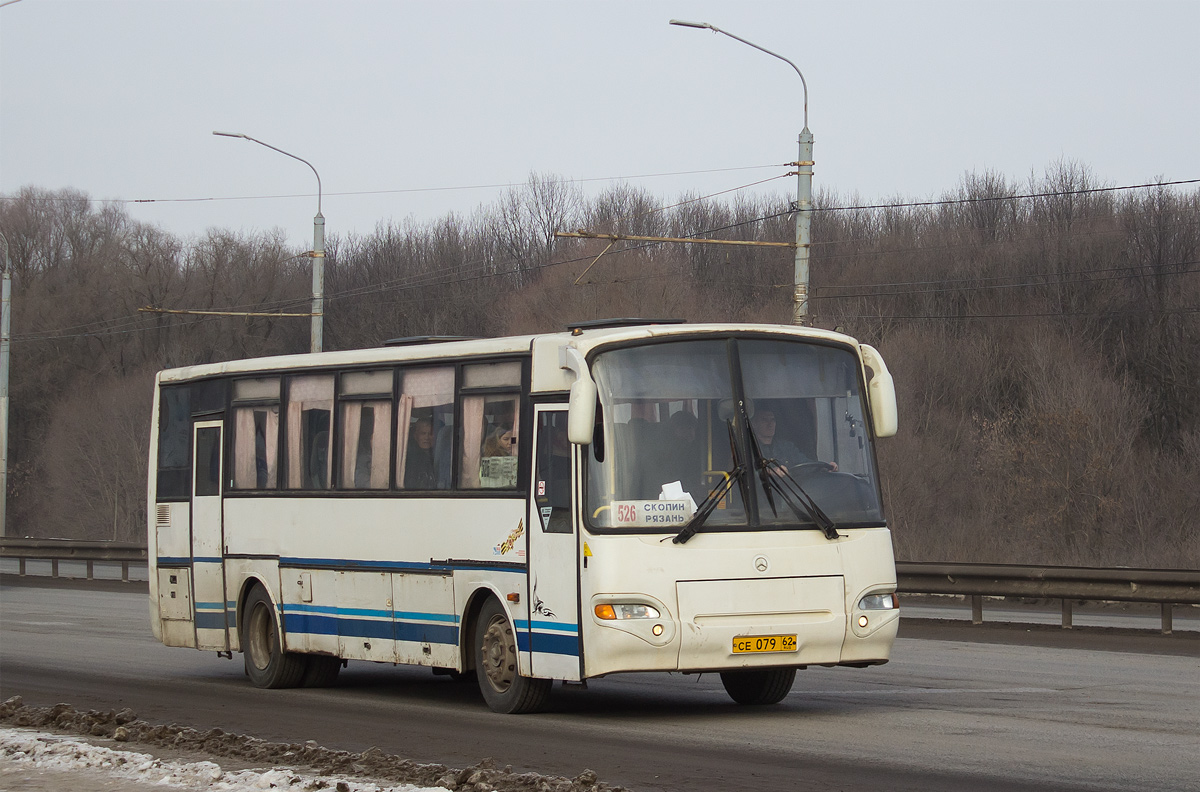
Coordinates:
<point>454,675</point>
<point>758,685</point>
<point>322,671</point>
<point>267,665</point>
<point>504,688</point>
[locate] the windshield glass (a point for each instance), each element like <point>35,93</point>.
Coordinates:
<point>674,426</point>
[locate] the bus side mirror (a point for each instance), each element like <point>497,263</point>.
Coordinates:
<point>881,393</point>
<point>581,406</point>
<point>581,414</point>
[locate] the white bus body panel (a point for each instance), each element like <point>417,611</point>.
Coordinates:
<point>715,588</point>
<point>382,579</point>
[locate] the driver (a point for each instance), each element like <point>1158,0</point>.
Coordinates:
<point>780,449</point>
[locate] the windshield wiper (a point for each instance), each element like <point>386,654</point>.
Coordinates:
<point>772,474</point>
<point>706,507</point>
<point>775,479</point>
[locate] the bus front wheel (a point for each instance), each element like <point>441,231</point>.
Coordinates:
<point>758,685</point>
<point>267,665</point>
<point>504,688</point>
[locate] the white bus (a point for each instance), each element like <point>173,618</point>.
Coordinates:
<point>625,496</point>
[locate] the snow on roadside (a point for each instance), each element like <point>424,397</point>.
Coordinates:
<point>25,750</point>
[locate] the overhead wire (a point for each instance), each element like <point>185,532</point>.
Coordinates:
<point>438,277</point>
<point>394,191</point>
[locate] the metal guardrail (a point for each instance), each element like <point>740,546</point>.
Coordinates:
<point>1166,587</point>
<point>1070,584</point>
<point>88,552</point>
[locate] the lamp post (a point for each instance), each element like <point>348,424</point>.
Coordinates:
<point>804,174</point>
<point>5,355</point>
<point>318,252</point>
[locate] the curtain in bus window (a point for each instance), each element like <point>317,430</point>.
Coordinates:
<point>366,428</point>
<point>310,406</point>
<point>255,443</point>
<point>425,428</point>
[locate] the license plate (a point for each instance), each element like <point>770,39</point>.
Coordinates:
<point>748,644</point>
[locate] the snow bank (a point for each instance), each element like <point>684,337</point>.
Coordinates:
<point>39,751</point>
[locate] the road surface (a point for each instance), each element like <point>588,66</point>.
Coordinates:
<point>997,708</point>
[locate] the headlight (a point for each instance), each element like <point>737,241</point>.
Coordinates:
<point>625,610</point>
<point>879,602</point>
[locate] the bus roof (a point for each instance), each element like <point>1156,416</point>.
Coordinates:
<point>548,376</point>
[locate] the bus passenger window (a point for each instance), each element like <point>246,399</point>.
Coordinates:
<point>490,432</point>
<point>365,410</point>
<point>256,433</point>
<point>425,428</point>
<point>174,442</point>
<point>310,405</point>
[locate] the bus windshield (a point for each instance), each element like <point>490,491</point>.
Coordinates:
<point>746,417</point>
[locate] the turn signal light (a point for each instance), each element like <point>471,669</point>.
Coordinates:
<point>625,610</point>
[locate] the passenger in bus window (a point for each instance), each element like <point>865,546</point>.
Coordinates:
<point>500,442</point>
<point>419,470</point>
<point>681,458</point>
<point>498,465</point>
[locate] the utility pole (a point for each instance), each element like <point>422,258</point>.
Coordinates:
<point>317,339</point>
<point>5,355</point>
<point>804,174</point>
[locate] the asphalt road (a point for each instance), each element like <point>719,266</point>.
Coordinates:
<point>993,708</point>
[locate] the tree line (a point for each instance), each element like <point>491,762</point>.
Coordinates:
<point>1043,334</point>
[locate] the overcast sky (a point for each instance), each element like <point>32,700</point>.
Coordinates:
<point>396,101</point>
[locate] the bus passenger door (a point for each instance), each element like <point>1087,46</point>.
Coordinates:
<point>553,555</point>
<point>208,545</point>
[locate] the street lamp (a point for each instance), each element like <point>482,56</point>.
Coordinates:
<point>5,356</point>
<point>804,182</point>
<point>318,252</point>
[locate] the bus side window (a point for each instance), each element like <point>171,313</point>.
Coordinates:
<point>490,433</point>
<point>174,442</point>
<point>309,409</point>
<point>256,433</point>
<point>365,429</point>
<point>425,428</point>
<point>553,473</point>
<point>490,429</point>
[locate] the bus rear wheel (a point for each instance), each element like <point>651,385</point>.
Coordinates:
<point>504,688</point>
<point>758,685</point>
<point>322,671</point>
<point>267,665</point>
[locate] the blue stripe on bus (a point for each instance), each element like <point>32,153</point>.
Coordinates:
<point>185,560</point>
<point>521,624</point>
<point>414,616</point>
<point>333,610</point>
<point>427,633</point>
<point>330,610</point>
<point>315,624</point>
<point>412,566</point>
<point>210,621</point>
<point>548,644</point>
<point>336,563</point>
<point>210,606</point>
